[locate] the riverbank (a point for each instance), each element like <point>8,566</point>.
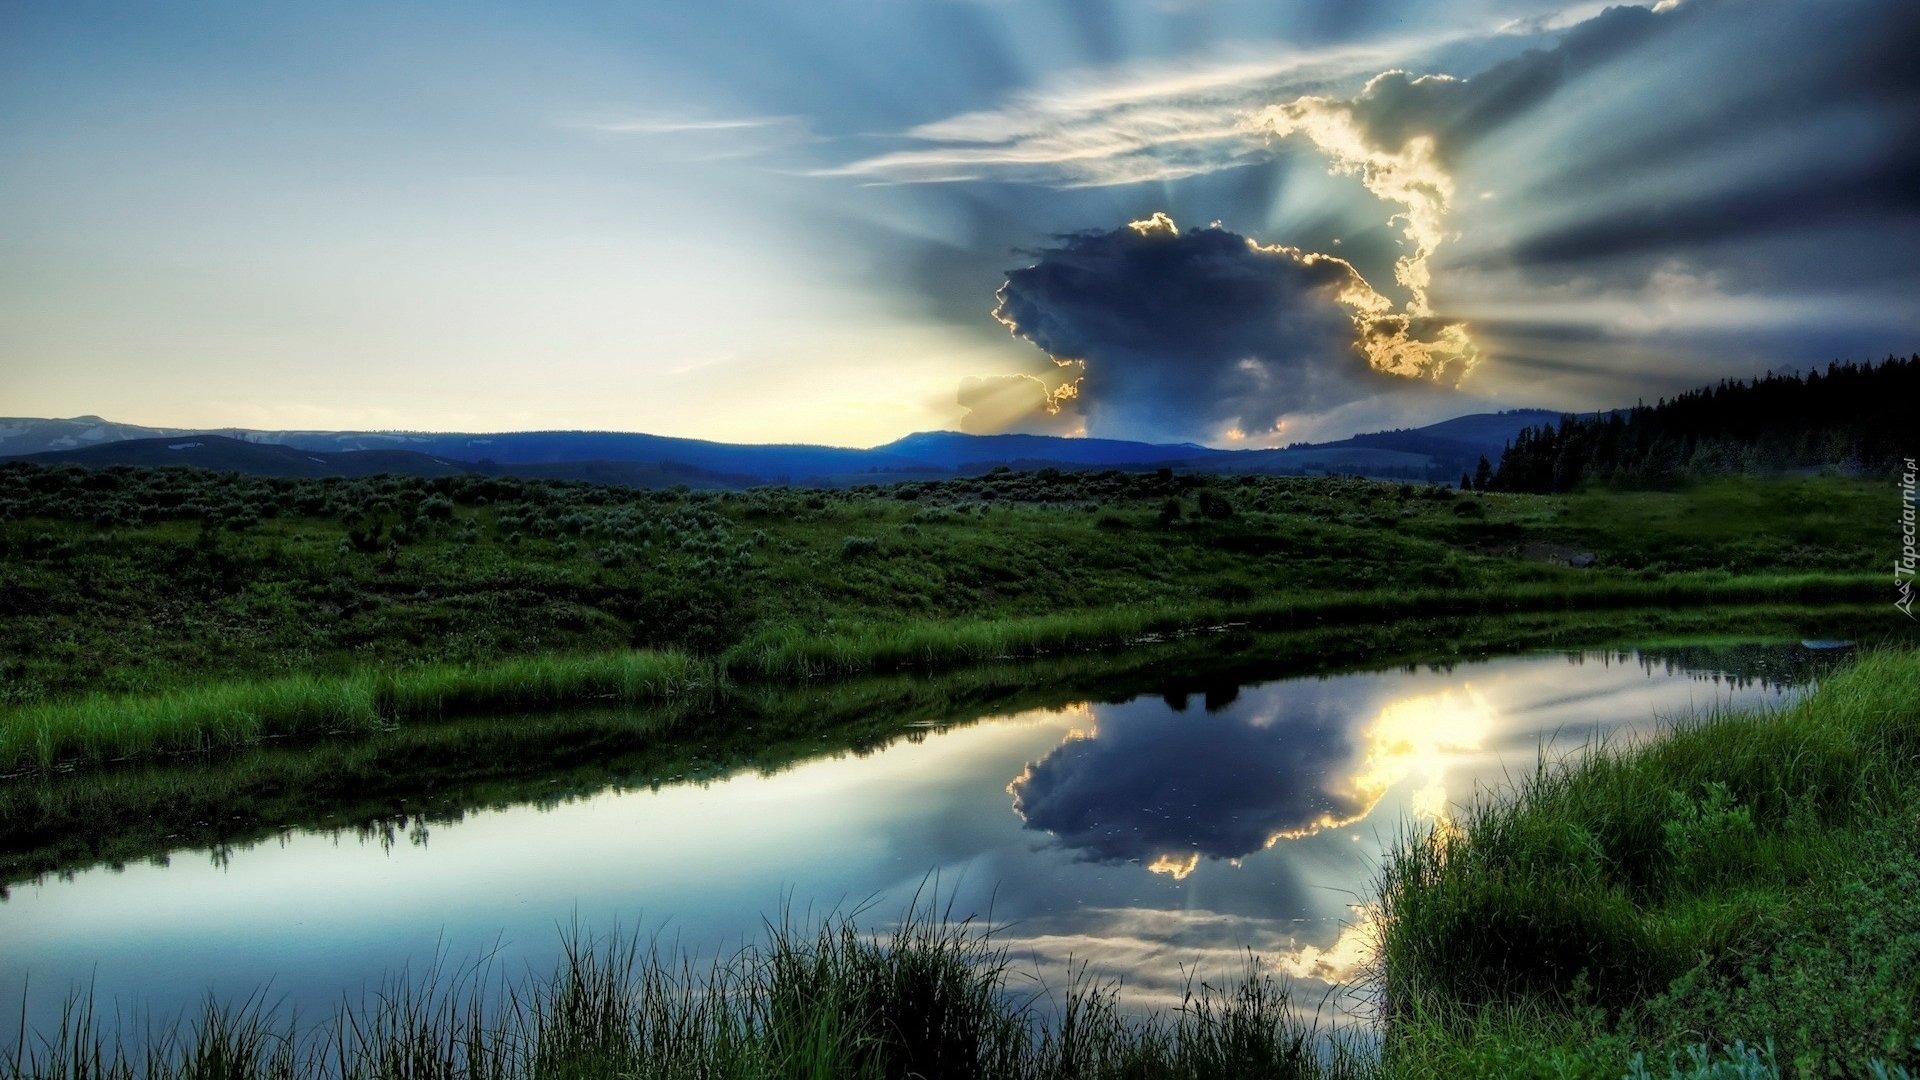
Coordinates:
<point>144,581</point>
<point>435,770</point>
<point>223,715</point>
<point>1745,879</point>
<point>163,610</point>
<point>1734,897</point>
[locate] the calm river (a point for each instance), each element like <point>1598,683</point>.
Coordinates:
<point>1153,838</point>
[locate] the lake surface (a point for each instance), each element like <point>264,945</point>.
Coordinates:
<point>1154,838</point>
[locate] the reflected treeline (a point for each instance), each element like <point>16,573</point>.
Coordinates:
<point>1213,698</point>
<point>395,786</point>
<point>1740,665</point>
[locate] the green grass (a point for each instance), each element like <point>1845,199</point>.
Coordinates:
<point>165,609</point>
<point>1746,882</point>
<point>913,644</point>
<point>1745,877</point>
<point>132,581</point>
<point>931,998</point>
<point>224,715</point>
<point>1737,898</point>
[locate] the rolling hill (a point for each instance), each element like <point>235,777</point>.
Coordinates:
<point>1436,452</point>
<point>222,453</point>
<point>954,450</point>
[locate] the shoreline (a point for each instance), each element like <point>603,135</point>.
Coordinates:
<point>60,735</point>
<point>1673,936</point>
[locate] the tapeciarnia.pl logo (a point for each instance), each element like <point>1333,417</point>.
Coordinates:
<point>1903,567</point>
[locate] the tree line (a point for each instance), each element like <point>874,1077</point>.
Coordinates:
<point>1851,418</point>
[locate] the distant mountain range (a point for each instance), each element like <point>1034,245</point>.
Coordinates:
<point>1437,452</point>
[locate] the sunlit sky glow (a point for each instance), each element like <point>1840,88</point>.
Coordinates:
<point>758,221</point>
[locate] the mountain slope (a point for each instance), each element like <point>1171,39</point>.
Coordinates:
<point>226,454</point>
<point>22,436</point>
<point>222,453</point>
<point>1437,452</point>
<point>954,450</point>
<point>31,435</point>
<point>796,461</point>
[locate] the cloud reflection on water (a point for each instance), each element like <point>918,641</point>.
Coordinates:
<point>1162,954</point>
<point>1144,783</point>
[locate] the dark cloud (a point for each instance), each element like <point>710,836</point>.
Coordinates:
<point>1820,191</point>
<point>1198,334</point>
<point>1151,785</point>
<point>1745,119</point>
<point>1398,106</point>
<point>1770,146</point>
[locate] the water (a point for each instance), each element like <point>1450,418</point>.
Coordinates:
<point>1156,838</point>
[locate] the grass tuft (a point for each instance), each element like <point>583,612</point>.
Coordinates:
<point>222,715</point>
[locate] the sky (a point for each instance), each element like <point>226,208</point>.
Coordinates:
<point>1240,224</point>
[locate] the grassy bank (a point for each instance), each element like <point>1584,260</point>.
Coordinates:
<point>932,999</point>
<point>223,715</point>
<point>915,644</point>
<point>167,609</point>
<point>228,714</point>
<point>143,581</point>
<point>1745,878</point>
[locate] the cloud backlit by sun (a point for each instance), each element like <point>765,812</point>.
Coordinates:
<point>1409,176</point>
<point>1583,202</point>
<point>1204,333</point>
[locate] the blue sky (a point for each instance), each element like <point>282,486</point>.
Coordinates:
<point>844,221</point>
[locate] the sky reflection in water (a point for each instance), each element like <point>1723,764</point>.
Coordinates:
<point>1155,838</point>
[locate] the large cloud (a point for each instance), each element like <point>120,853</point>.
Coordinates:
<point>1545,182</point>
<point>1207,334</point>
<point>1403,134</point>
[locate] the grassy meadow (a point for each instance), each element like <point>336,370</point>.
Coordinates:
<point>167,609</point>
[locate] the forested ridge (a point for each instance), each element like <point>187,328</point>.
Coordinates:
<point>1854,418</point>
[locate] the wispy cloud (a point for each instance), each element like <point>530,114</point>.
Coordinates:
<point>670,125</point>
<point>702,138</point>
<point>1166,121</point>
<point>1101,128</point>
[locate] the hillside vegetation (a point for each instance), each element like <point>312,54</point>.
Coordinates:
<point>209,603</point>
